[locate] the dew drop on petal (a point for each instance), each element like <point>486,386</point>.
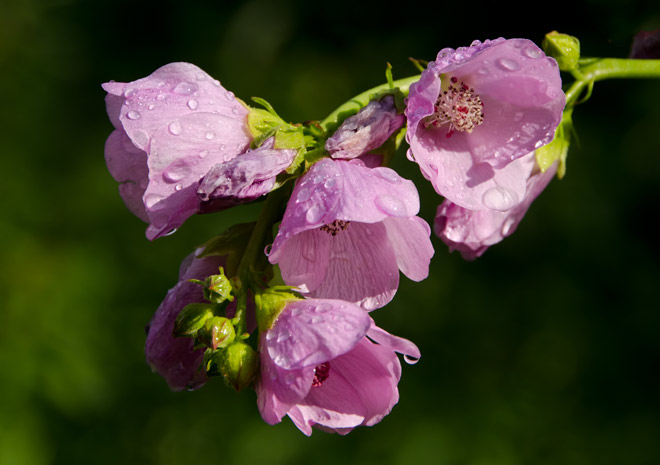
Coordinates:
<point>235,110</point>
<point>201,77</point>
<point>209,135</point>
<point>203,153</point>
<point>314,214</point>
<point>268,249</point>
<point>388,175</point>
<point>175,128</point>
<point>532,52</point>
<point>499,198</point>
<point>133,115</point>
<point>176,171</point>
<point>178,187</point>
<point>539,144</point>
<point>151,107</point>
<point>229,95</point>
<point>506,227</point>
<point>184,88</point>
<point>329,183</point>
<point>161,97</point>
<point>303,195</point>
<point>151,200</point>
<point>216,83</point>
<point>391,205</point>
<point>507,64</point>
<point>193,104</point>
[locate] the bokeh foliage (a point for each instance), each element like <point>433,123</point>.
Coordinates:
<point>544,351</point>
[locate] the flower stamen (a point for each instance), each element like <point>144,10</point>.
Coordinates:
<point>459,106</point>
<point>321,373</point>
<point>335,227</point>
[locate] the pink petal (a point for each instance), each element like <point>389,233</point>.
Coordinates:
<point>310,332</point>
<point>409,237</point>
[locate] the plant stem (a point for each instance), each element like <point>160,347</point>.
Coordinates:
<point>611,68</point>
<point>361,100</point>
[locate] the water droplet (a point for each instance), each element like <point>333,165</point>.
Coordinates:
<point>391,205</point>
<point>329,183</point>
<point>216,83</point>
<point>161,97</point>
<point>270,335</point>
<point>203,153</point>
<point>175,128</point>
<point>518,116</point>
<point>151,200</point>
<point>193,104</point>
<point>507,64</point>
<point>209,135</point>
<point>499,198</point>
<point>317,179</point>
<point>235,110</point>
<point>268,249</point>
<point>483,71</point>
<point>222,146</point>
<point>540,143</point>
<point>314,214</point>
<point>388,175</point>
<point>283,336</point>
<point>303,194</point>
<point>184,88</point>
<point>129,93</point>
<point>178,187</point>
<point>316,319</point>
<point>176,171</point>
<point>201,77</point>
<point>532,52</point>
<point>229,95</point>
<point>506,227</point>
<point>151,106</point>
<point>133,115</point>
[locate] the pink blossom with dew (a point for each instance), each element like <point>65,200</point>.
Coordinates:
<point>324,363</point>
<point>170,129</point>
<point>471,232</point>
<point>475,110</point>
<point>366,131</point>
<point>348,230</point>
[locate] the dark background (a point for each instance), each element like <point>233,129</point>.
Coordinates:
<point>544,351</point>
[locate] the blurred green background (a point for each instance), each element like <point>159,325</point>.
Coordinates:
<point>544,351</point>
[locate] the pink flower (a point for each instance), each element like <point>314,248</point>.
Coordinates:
<point>475,110</point>
<point>471,232</point>
<point>171,128</point>
<point>319,367</point>
<point>366,131</point>
<point>174,358</point>
<point>348,230</point>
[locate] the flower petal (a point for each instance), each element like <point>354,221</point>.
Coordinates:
<point>410,239</point>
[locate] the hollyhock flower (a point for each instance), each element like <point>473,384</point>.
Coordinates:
<point>320,367</point>
<point>365,131</point>
<point>475,110</point>
<point>348,230</point>
<point>471,232</point>
<point>244,178</point>
<point>174,358</point>
<point>171,128</point>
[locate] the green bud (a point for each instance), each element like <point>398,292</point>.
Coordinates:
<point>238,364</point>
<point>217,287</point>
<point>192,318</point>
<point>217,333</point>
<point>563,48</point>
<point>270,304</point>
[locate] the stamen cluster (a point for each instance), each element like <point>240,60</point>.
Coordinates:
<point>459,106</point>
<point>335,227</point>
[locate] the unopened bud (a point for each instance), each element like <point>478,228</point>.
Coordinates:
<point>192,318</point>
<point>563,48</point>
<point>217,287</point>
<point>238,365</point>
<point>217,333</point>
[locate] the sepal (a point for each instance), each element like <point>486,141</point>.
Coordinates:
<point>270,304</point>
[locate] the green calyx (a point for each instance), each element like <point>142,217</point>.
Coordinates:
<point>558,148</point>
<point>217,287</point>
<point>270,304</point>
<point>216,333</point>
<point>237,364</point>
<point>192,318</point>
<point>563,48</point>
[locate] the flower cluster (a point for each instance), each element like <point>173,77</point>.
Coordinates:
<point>293,321</point>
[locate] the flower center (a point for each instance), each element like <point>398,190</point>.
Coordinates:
<point>335,227</point>
<point>321,373</point>
<point>459,107</point>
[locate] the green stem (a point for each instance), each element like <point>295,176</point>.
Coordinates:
<point>610,68</point>
<point>361,100</point>
<point>270,213</point>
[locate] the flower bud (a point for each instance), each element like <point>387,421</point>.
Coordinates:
<point>238,364</point>
<point>217,287</point>
<point>192,318</point>
<point>563,48</point>
<point>217,333</point>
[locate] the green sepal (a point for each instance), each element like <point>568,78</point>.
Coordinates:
<point>270,304</point>
<point>192,318</point>
<point>262,125</point>
<point>238,364</point>
<point>557,150</point>
<point>563,48</point>
<point>231,243</point>
<point>216,333</point>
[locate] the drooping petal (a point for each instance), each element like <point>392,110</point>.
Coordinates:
<point>304,259</point>
<point>409,238</point>
<point>310,332</point>
<point>366,131</point>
